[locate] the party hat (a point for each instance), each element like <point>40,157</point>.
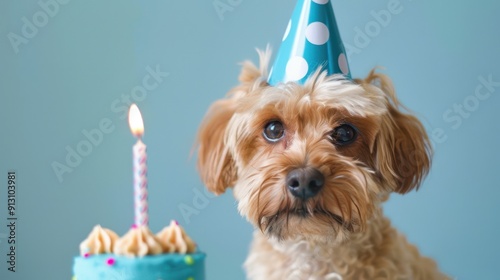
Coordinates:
<point>311,40</point>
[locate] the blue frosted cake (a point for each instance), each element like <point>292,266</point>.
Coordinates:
<point>139,255</point>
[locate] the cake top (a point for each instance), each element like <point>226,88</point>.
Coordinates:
<point>176,239</point>
<point>99,241</point>
<point>138,242</point>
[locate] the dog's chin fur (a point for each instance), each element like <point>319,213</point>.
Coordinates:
<point>341,230</point>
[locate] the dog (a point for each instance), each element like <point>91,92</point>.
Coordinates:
<point>310,166</point>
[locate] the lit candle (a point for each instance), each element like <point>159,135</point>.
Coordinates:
<point>140,168</point>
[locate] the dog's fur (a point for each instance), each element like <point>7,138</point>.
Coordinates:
<point>341,233</point>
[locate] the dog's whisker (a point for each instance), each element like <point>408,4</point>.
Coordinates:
<point>339,204</point>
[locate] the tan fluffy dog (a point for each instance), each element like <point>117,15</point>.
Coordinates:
<point>310,166</point>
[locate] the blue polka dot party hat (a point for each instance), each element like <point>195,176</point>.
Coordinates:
<point>311,40</point>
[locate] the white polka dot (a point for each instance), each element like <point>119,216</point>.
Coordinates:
<point>287,31</point>
<point>317,33</point>
<point>320,1</point>
<point>296,68</point>
<point>343,64</point>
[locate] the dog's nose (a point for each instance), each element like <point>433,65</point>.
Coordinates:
<point>305,183</point>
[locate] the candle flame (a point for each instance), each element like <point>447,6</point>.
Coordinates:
<point>135,121</point>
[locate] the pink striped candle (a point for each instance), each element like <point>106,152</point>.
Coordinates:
<point>140,168</point>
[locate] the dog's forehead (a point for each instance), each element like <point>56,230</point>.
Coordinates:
<point>328,94</point>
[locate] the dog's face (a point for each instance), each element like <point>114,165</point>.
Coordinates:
<point>311,161</point>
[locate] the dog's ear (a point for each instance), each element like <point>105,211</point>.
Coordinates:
<point>215,163</point>
<point>402,148</point>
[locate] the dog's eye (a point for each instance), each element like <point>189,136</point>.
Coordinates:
<point>274,131</point>
<point>344,135</point>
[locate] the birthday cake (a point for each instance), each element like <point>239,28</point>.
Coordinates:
<point>139,255</point>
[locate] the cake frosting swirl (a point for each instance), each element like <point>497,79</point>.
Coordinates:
<point>176,240</point>
<point>139,242</point>
<point>139,255</point>
<point>100,241</point>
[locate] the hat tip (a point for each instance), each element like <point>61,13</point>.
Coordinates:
<point>311,41</point>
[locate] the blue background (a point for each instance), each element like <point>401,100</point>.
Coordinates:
<point>91,53</point>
